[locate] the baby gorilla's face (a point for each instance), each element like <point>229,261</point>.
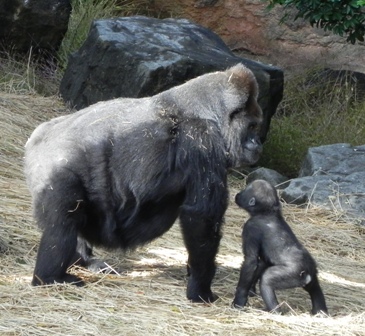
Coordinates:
<point>259,196</point>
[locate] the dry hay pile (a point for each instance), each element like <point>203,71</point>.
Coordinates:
<point>148,295</point>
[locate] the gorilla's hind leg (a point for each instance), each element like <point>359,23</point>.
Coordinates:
<point>277,277</point>
<point>56,253</point>
<point>317,297</point>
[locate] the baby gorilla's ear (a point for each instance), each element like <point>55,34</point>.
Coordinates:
<point>252,201</point>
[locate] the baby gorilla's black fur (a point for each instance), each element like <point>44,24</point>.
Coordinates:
<point>272,253</point>
<point>119,173</point>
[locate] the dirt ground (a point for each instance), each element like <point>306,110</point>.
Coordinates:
<point>147,296</point>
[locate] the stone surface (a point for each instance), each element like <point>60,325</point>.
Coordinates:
<point>140,56</point>
<point>277,180</point>
<point>342,79</point>
<point>40,24</point>
<point>331,176</point>
<point>249,26</point>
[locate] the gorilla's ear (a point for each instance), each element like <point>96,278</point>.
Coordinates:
<point>252,201</point>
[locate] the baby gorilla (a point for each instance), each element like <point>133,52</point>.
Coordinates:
<point>272,253</point>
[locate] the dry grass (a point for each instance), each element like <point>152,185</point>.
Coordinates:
<point>148,296</point>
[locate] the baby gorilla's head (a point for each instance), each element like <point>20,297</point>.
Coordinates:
<point>258,197</point>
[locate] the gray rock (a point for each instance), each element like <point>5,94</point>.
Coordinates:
<point>269,175</point>
<point>140,56</point>
<point>333,177</point>
<point>338,159</point>
<point>40,24</point>
<point>340,79</point>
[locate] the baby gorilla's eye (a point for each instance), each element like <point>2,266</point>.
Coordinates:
<point>252,201</point>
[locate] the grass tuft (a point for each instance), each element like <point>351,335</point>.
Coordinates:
<point>316,110</point>
<point>28,75</point>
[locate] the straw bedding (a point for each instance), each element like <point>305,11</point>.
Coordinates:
<point>147,296</point>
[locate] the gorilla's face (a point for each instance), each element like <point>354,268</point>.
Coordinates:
<point>229,99</point>
<point>258,197</point>
<point>243,118</point>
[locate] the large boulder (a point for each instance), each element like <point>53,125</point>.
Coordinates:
<point>40,24</point>
<point>341,79</point>
<point>276,179</point>
<point>331,176</point>
<point>140,56</point>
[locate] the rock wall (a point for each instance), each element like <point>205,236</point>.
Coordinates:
<point>246,25</point>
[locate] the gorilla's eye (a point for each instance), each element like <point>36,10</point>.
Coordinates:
<point>235,112</point>
<point>252,201</point>
<point>253,126</point>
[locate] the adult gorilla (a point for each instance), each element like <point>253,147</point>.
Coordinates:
<point>119,173</point>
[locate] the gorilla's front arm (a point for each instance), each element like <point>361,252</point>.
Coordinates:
<point>119,173</point>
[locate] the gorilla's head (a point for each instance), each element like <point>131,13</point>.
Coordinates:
<point>230,100</point>
<point>258,197</point>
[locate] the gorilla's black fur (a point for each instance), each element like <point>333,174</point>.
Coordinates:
<point>272,252</point>
<point>119,173</point>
